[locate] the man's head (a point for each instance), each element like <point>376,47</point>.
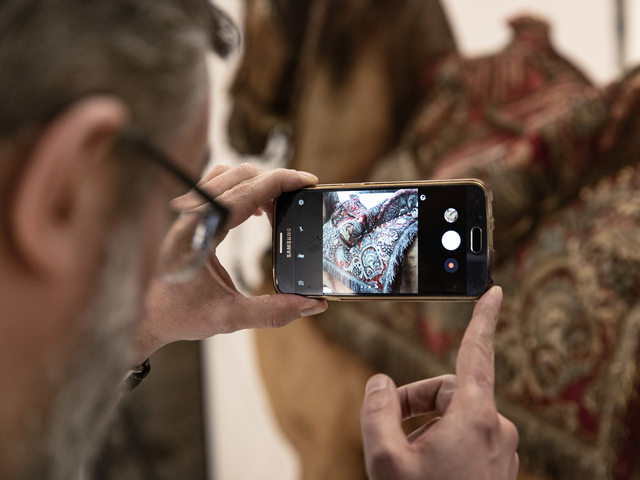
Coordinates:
<point>81,217</point>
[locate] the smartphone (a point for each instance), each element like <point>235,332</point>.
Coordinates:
<point>429,240</point>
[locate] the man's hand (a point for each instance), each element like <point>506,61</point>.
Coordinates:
<point>209,303</point>
<point>469,439</point>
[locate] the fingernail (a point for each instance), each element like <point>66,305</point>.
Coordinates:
<point>375,383</point>
<point>496,291</point>
<point>316,309</point>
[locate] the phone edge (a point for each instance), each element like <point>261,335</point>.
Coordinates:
<point>488,194</point>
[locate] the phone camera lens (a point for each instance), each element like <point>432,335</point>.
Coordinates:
<point>451,265</point>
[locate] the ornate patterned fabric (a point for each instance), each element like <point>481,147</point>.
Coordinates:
<point>529,123</point>
<point>568,339</point>
<point>524,120</point>
<point>365,248</point>
<point>567,344</point>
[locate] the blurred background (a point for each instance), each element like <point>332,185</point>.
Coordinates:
<point>205,411</point>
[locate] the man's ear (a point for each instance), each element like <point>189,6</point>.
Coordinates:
<point>65,194</point>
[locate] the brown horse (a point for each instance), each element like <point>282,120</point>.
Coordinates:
<point>343,76</point>
<point>350,80</point>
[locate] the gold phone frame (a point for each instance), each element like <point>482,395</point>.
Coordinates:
<point>410,184</point>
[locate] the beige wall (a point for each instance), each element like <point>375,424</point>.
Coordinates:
<point>583,30</point>
<point>243,440</point>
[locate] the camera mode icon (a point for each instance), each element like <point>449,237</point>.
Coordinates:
<point>451,265</point>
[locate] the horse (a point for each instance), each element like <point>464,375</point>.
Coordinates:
<point>337,55</point>
<point>364,67</point>
<point>375,89</point>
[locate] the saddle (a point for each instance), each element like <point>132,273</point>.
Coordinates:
<point>561,157</point>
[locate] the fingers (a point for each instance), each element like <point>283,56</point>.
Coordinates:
<point>245,189</point>
<point>231,178</point>
<point>214,172</point>
<point>220,179</point>
<point>426,396</point>
<point>475,363</point>
<point>271,311</point>
<point>192,199</point>
<point>416,434</point>
<point>380,418</point>
<point>509,434</point>
<point>515,466</point>
<point>246,197</point>
<point>467,435</point>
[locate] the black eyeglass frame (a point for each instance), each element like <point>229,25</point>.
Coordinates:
<point>133,139</point>
<point>137,140</point>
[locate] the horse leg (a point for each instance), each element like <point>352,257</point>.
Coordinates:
<point>316,388</point>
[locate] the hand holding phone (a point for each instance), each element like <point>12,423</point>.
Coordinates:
<point>406,241</point>
<point>209,303</point>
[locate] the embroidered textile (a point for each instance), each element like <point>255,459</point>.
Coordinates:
<point>365,248</point>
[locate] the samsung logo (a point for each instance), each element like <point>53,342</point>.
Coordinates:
<point>288,243</point>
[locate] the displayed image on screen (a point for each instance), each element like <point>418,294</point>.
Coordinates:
<point>370,242</point>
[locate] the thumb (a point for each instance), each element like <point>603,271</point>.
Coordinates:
<point>380,419</point>
<point>269,311</point>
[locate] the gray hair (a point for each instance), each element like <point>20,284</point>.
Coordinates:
<point>149,53</point>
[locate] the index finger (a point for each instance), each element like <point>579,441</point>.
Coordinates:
<point>220,179</point>
<point>426,396</point>
<point>246,197</point>
<point>475,363</point>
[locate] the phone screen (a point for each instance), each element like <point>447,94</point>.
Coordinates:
<point>410,240</point>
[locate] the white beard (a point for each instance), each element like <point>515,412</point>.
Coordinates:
<point>71,430</point>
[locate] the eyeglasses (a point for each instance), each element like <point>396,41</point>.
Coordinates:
<point>194,233</point>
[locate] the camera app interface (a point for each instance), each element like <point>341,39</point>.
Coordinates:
<point>400,242</point>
